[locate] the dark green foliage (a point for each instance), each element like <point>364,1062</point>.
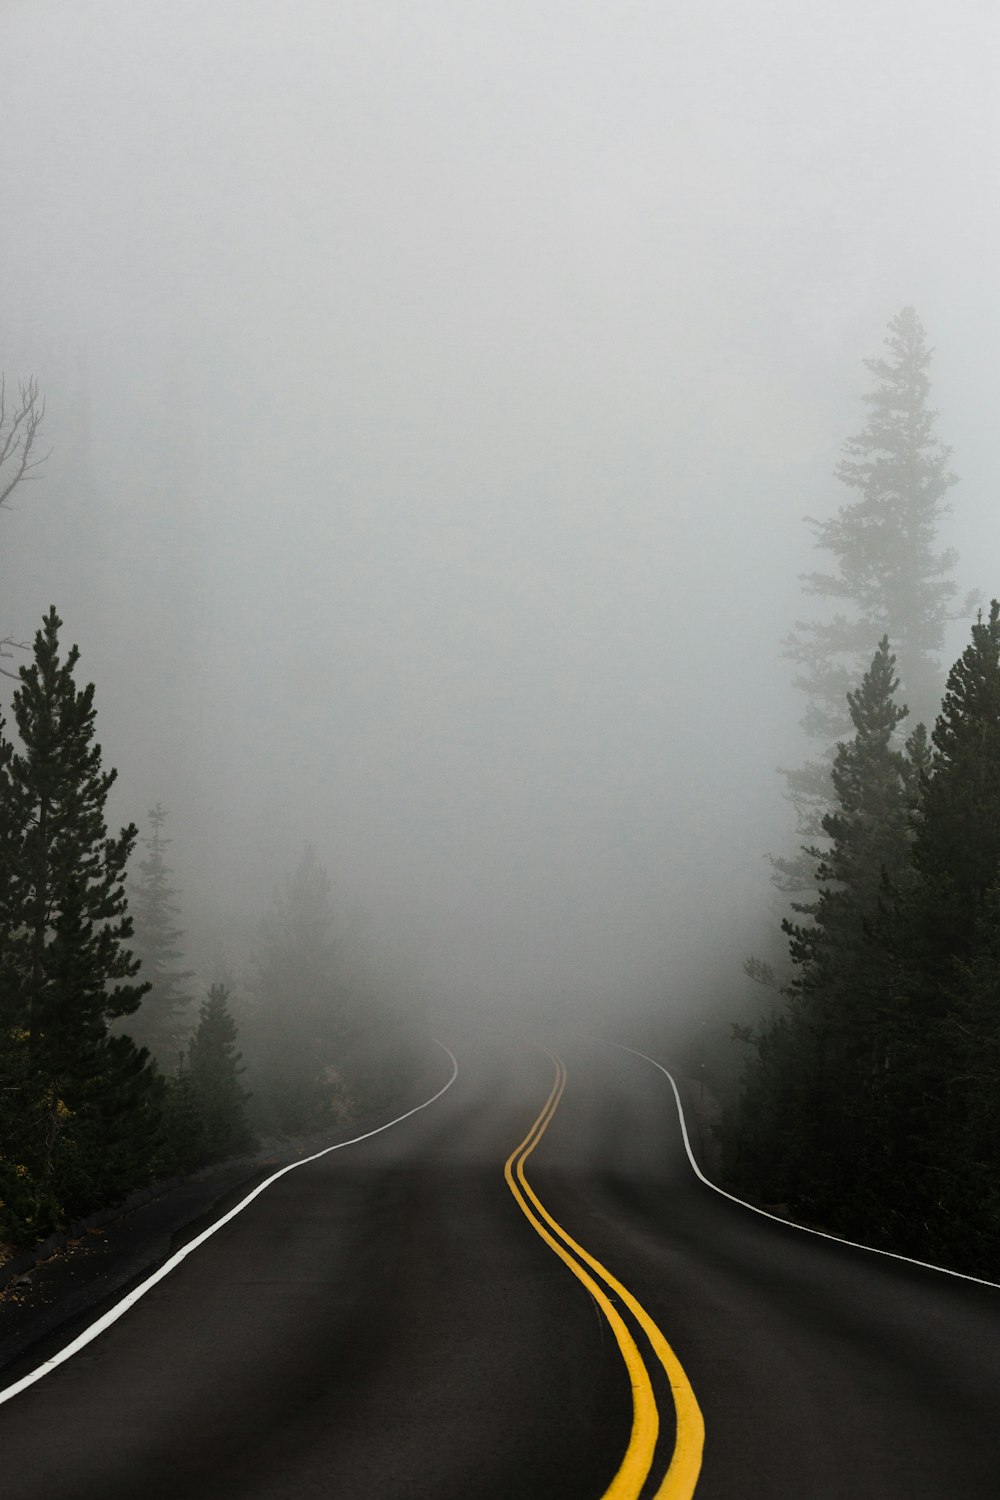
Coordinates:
<point>161,1023</point>
<point>214,1069</point>
<point>112,1139</point>
<point>817,1081</point>
<point>947,1118</point>
<point>957,850</point>
<point>80,1104</point>
<point>970,1037</point>
<point>183,1146</point>
<point>871,1104</point>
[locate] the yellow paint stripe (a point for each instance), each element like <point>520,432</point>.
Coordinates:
<point>685,1466</point>
<point>634,1467</point>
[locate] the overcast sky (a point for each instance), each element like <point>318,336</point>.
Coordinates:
<point>436,391</point>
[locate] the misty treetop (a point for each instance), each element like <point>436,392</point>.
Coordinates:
<point>887,570</point>
<point>887,565</point>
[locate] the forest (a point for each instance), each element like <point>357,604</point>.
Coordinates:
<point>868,1104</point>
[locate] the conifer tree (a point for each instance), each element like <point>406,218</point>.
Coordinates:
<point>84,1098</point>
<point>957,848</point>
<point>970,1033</point>
<point>297,1024</point>
<point>888,576</point>
<point>868,829</point>
<point>161,1023</point>
<point>818,1076</point>
<point>214,1069</point>
<point>939,1097</point>
<point>845,988</point>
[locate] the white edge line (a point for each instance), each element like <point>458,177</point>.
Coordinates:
<point>120,1308</point>
<point>822,1234</point>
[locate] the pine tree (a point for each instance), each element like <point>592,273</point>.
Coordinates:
<point>945,941</point>
<point>887,569</point>
<point>957,849</point>
<point>868,830</point>
<point>84,1098</point>
<point>161,1023</point>
<point>809,1126</point>
<point>970,1033</point>
<point>296,1029</point>
<point>214,1069</point>
<point>846,984</point>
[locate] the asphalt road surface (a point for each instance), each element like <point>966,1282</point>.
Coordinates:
<point>394,1322</point>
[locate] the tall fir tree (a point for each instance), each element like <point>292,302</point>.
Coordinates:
<point>868,828</point>
<point>846,984</point>
<point>939,1098</point>
<point>818,1075</point>
<point>888,576</point>
<point>86,1110</point>
<point>162,1023</point>
<point>214,1069</point>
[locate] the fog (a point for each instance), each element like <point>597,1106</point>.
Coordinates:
<point>435,394</point>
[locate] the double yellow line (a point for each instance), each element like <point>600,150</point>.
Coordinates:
<point>685,1465</point>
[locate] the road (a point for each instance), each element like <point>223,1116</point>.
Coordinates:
<point>388,1323</point>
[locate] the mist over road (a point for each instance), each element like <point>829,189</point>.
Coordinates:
<point>383,1322</point>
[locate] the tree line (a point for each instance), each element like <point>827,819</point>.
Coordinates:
<point>870,1101</point>
<point>108,1080</point>
<point>111,1075</point>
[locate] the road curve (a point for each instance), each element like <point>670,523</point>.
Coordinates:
<point>384,1324</point>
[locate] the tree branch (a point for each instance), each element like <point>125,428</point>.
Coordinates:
<point>18,435</point>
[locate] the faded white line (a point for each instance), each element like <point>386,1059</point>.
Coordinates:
<point>122,1307</point>
<point>822,1234</point>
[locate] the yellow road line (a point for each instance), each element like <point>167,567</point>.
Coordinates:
<point>685,1466</point>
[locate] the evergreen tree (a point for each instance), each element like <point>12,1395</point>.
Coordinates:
<point>214,1069</point>
<point>84,1099</point>
<point>957,849</point>
<point>296,1028</point>
<point>869,835</point>
<point>817,1081</point>
<point>888,577</point>
<point>183,1134</point>
<point>161,1024</point>
<point>846,984</point>
<point>944,939</point>
<point>971,1046</point>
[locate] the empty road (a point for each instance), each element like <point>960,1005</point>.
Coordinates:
<point>522,1290</point>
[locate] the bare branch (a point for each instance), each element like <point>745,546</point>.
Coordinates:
<point>18,435</point>
<point>7,647</point>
